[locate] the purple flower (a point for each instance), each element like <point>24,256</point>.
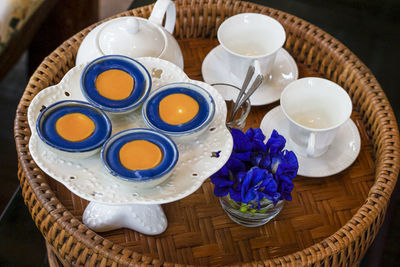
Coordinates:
<point>265,161</point>
<point>235,192</point>
<point>257,185</point>
<point>241,145</point>
<point>235,165</point>
<point>224,179</point>
<point>245,144</point>
<point>221,180</point>
<point>256,138</point>
<point>285,166</point>
<point>286,188</point>
<point>275,143</point>
<point>257,170</point>
<point>241,142</point>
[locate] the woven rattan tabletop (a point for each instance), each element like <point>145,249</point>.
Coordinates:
<point>330,221</point>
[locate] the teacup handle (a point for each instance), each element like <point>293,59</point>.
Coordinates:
<point>311,145</point>
<point>257,67</point>
<point>161,8</point>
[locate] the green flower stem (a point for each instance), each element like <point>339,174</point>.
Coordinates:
<point>244,208</point>
<point>248,207</point>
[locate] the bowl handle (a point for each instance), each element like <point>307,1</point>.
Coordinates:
<point>161,8</point>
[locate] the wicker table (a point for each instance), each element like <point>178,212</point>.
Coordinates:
<point>330,221</point>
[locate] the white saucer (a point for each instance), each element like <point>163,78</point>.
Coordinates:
<point>215,70</point>
<point>340,155</point>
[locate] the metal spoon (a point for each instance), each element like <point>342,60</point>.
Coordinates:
<point>257,82</point>
<point>246,82</point>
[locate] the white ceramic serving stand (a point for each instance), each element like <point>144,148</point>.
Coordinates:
<point>114,203</point>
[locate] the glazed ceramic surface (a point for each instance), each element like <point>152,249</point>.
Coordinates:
<point>141,77</point>
<point>187,130</point>
<point>90,180</point>
<point>251,39</point>
<point>135,37</point>
<point>315,108</point>
<point>341,153</point>
<point>147,219</point>
<point>283,72</point>
<point>141,178</point>
<point>45,127</point>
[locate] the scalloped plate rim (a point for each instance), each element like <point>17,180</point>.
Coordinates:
<point>227,144</point>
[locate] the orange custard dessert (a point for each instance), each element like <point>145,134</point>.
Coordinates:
<point>178,109</point>
<point>114,84</point>
<point>75,127</point>
<point>140,155</point>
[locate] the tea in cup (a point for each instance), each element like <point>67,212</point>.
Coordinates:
<point>315,109</point>
<point>251,39</point>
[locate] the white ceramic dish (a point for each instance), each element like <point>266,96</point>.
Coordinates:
<point>146,178</point>
<point>79,150</point>
<point>284,71</point>
<point>90,180</point>
<point>139,74</point>
<point>188,130</point>
<point>341,154</point>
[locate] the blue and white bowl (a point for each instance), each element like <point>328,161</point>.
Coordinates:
<point>141,77</point>
<point>140,178</point>
<point>46,129</point>
<point>190,129</point>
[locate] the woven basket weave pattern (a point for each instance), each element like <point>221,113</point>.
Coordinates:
<point>315,51</point>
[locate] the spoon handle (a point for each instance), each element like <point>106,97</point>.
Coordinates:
<point>257,82</point>
<point>246,82</point>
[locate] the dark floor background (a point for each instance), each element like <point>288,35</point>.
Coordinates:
<point>370,28</point>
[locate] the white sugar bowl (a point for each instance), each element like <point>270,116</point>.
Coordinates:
<point>135,37</point>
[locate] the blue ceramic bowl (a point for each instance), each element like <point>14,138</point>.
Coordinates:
<point>138,72</point>
<point>151,116</point>
<point>140,178</point>
<point>45,126</point>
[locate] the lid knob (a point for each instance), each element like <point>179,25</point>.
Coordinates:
<point>132,25</point>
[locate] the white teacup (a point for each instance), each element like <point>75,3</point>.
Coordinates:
<point>251,39</point>
<point>315,108</point>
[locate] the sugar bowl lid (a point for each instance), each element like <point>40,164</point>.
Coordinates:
<point>132,37</point>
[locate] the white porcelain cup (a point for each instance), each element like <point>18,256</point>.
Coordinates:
<point>251,39</point>
<point>315,108</point>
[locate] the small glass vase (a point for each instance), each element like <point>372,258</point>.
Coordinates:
<point>247,216</point>
<point>239,120</point>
